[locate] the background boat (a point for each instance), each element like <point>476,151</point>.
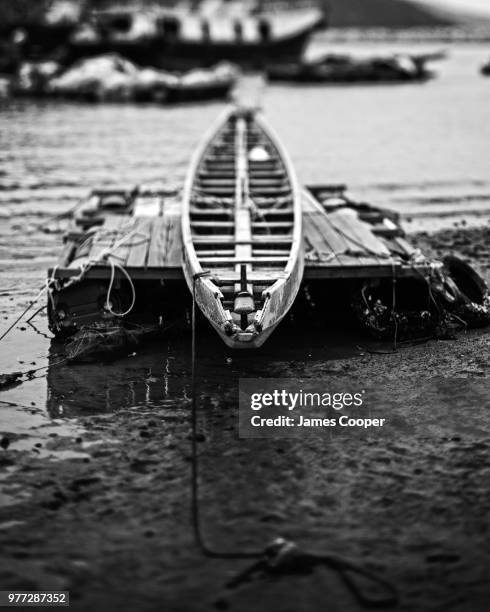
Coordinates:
<point>182,36</point>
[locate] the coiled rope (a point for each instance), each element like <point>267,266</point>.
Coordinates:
<point>108,304</point>
<point>52,282</point>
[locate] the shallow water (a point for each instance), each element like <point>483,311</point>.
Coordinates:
<point>422,149</point>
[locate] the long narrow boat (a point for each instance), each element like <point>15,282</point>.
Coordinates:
<point>241,228</point>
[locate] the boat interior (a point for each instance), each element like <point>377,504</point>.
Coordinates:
<point>242,216</point>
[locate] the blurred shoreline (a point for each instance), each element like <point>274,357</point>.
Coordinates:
<point>478,33</point>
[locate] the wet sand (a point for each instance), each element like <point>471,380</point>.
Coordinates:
<point>99,493</point>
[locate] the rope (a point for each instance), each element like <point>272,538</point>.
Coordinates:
<point>108,305</point>
<point>104,257</point>
<point>196,518</point>
<point>26,310</point>
<point>52,281</point>
<point>15,377</point>
<point>393,308</point>
<point>282,557</point>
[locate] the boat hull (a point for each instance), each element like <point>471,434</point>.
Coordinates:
<point>160,53</point>
<point>176,41</point>
<point>241,226</point>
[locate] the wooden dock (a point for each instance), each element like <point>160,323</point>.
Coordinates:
<point>141,231</point>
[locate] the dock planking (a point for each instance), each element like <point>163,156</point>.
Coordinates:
<point>337,242</point>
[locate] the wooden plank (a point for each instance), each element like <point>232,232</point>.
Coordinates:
<point>173,253</point>
<point>158,242</point>
<point>107,235</point>
<point>272,224</point>
<point>275,239</point>
<point>212,224</point>
<point>104,272</point>
<point>354,271</point>
<point>258,190</point>
<point>347,220</point>
<point>354,253</point>
<point>215,253</point>
<point>311,272</point>
<point>217,212</point>
<point>331,247</point>
<point>140,243</point>
<point>320,236</point>
<point>243,220</point>
<point>254,277</point>
<point>404,246</point>
<point>125,238</point>
<point>231,261</point>
<point>165,247</point>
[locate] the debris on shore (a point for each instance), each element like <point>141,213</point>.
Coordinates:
<point>102,339</point>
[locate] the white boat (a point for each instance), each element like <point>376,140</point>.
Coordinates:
<point>242,229</point>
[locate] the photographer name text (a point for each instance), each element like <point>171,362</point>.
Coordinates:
<point>288,402</point>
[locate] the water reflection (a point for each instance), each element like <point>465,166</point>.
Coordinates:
<point>158,374</point>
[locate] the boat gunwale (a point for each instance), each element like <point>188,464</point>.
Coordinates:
<point>187,238</point>
<point>297,235</point>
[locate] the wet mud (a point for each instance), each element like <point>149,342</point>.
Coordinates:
<point>95,465</point>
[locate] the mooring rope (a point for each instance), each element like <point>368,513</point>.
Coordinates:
<point>394,314</point>
<point>281,557</point>
<point>28,308</point>
<point>196,518</point>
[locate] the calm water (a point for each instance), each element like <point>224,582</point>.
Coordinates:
<point>421,149</point>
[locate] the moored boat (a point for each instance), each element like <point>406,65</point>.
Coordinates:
<point>341,68</point>
<point>182,37</point>
<point>242,229</point>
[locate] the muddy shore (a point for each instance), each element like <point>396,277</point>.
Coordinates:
<point>98,497</point>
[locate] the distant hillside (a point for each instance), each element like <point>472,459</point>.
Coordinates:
<point>383,13</point>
